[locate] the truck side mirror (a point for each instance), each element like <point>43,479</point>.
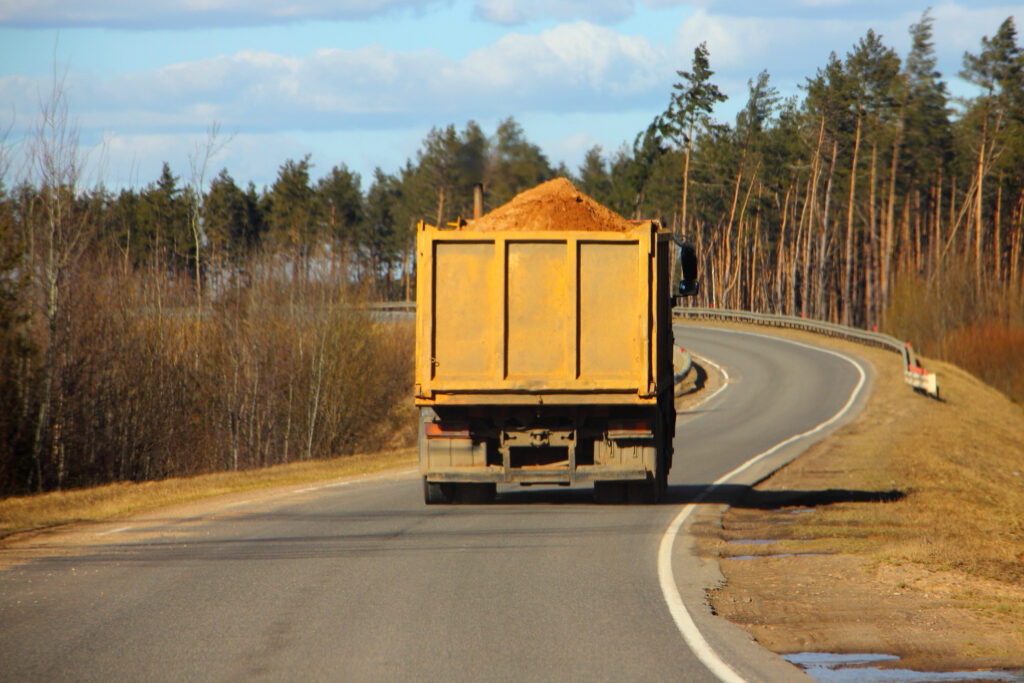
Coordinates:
<point>688,285</point>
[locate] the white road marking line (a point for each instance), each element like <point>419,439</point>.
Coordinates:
<point>364,478</point>
<point>666,577</point>
<point>407,472</point>
<point>115,531</point>
<point>725,380</point>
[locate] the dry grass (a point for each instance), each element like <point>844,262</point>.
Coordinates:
<point>959,464</point>
<point>116,501</point>
<point>993,351</point>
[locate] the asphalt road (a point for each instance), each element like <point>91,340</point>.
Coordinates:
<point>364,582</point>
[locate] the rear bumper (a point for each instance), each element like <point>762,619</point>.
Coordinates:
<point>500,475</point>
<point>546,446</point>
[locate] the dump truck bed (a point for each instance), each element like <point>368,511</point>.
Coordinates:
<point>542,317</point>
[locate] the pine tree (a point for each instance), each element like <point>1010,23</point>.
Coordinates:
<point>999,71</point>
<point>689,112</point>
<point>340,210</point>
<point>293,210</point>
<point>594,179</point>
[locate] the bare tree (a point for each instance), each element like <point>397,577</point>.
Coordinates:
<point>54,239</point>
<point>199,162</point>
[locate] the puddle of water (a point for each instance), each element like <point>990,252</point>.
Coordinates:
<point>754,541</point>
<point>826,667</point>
<point>756,557</point>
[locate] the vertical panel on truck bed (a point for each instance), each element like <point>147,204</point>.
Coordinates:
<point>536,306</point>
<point>610,311</point>
<point>465,345</point>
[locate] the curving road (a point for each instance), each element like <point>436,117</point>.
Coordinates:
<point>363,582</point>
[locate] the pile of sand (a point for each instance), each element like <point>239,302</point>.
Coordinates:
<point>554,205</point>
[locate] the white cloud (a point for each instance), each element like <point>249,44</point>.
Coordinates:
<point>568,85</point>
<point>744,42</point>
<point>193,13</point>
<point>793,48</point>
<point>523,11</point>
<point>171,14</point>
<point>576,67</point>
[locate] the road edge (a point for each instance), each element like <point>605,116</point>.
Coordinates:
<point>706,634</point>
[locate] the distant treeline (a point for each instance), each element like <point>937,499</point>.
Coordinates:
<point>166,329</point>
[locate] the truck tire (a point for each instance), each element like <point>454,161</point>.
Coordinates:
<point>609,492</point>
<point>437,493</point>
<point>476,494</point>
<point>646,492</point>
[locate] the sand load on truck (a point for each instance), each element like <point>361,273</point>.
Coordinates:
<point>554,205</point>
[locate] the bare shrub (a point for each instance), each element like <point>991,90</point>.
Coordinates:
<point>272,371</point>
<point>993,351</point>
<point>979,328</point>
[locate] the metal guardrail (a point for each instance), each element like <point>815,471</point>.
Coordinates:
<point>391,311</point>
<point>914,373</point>
<point>404,306</point>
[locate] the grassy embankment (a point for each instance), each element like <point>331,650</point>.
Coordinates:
<point>957,466</point>
<point>907,532</point>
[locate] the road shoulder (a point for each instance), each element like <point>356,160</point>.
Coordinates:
<point>885,538</point>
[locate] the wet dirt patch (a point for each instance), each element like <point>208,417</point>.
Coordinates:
<point>828,667</point>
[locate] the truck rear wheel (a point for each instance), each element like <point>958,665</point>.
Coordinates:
<point>610,492</point>
<point>646,492</point>
<point>437,493</point>
<point>476,493</point>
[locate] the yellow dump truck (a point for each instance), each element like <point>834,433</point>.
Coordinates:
<point>544,355</point>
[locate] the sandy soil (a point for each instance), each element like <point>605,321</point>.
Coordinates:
<point>554,205</point>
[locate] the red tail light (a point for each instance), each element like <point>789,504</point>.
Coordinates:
<point>630,429</point>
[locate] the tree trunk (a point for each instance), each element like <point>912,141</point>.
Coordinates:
<point>997,243</point>
<point>1017,241</point>
<point>936,268</point>
<point>890,219</point>
<point>781,252</point>
<point>813,202</point>
<point>440,207</point>
<point>872,260</point>
<point>819,305</point>
<point>978,197</point>
<point>794,252</point>
<point>686,181</point>
<point>848,261</point>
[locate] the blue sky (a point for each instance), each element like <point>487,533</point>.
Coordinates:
<point>362,81</point>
